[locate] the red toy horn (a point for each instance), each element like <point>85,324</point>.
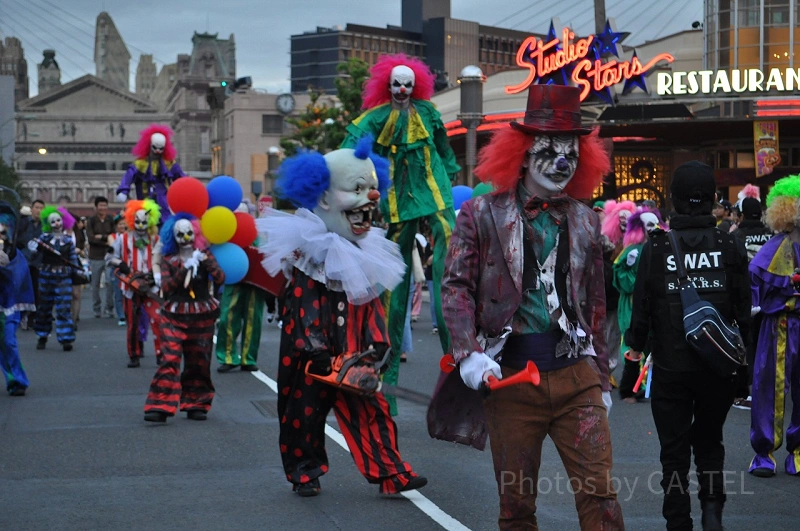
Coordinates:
<point>530,374</point>
<point>447,363</point>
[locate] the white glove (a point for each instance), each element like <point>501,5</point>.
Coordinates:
<point>476,368</point>
<point>754,310</point>
<point>198,255</point>
<point>122,197</point>
<point>632,256</point>
<point>33,245</point>
<point>157,279</point>
<point>607,401</point>
<point>191,263</point>
<point>3,259</point>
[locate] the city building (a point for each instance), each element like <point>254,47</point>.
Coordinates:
<point>248,125</point>
<point>446,44</point>
<point>49,72</point>
<point>74,142</point>
<point>146,75</point>
<point>13,63</point>
<point>7,136</point>
<point>710,95</point>
<point>111,56</point>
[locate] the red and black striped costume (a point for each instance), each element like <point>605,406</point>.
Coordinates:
<point>187,330</point>
<point>316,319</point>
<point>139,260</point>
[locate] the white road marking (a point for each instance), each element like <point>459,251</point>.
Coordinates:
<point>423,504</point>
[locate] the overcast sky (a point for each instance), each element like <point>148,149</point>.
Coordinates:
<point>262,27</point>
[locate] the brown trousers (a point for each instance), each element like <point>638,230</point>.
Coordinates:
<point>568,406</point>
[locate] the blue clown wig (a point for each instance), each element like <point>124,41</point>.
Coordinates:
<point>167,237</point>
<point>305,177</point>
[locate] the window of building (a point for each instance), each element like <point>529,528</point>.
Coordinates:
<point>205,164</point>
<point>205,142</point>
<point>642,177</point>
<point>271,124</point>
<point>41,165</point>
<point>89,166</point>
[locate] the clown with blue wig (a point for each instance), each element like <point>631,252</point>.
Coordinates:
<point>338,265</point>
<point>189,313</point>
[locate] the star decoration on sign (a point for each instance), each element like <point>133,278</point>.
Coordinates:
<point>639,80</point>
<point>606,42</point>
<point>605,94</point>
<point>561,76</point>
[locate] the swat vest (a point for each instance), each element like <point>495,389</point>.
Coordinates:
<point>754,234</point>
<point>711,258</point>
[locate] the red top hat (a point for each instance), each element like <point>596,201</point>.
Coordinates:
<point>553,109</point>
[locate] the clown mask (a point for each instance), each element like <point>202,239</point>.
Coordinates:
<point>5,235</point>
<point>401,84</point>
<point>623,219</point>
<point>56,223</point>
<point>650,221</point>
<point>157,144</point>
<point>346,207</point>
<point>552,161</point>
<point>184,234</point>
<point>140,222</point>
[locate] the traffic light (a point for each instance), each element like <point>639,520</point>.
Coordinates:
<point>223,83</point>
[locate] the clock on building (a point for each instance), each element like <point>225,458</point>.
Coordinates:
<point>285,103</point>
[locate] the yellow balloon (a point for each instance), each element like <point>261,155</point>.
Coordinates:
<point>218,224</point>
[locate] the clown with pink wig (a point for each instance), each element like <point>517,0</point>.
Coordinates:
<point>154,168</point>
<point>59,259</point>
<point>637,228</point>
<point>409,132</point>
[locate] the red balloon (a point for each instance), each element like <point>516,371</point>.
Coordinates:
<point>188,195</point>
<point>246,231</point>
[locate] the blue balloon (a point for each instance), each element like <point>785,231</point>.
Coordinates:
<point>232,260</point>
<point>224,191</point>
<point>461,193</point>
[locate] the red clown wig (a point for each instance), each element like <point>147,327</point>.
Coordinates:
<point>376,89</point>
<point>500,162</point>
<point>142,148</point>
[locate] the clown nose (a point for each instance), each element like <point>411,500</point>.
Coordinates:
<point>562,164</point>
<point>373,195</point>
<point>402,90</point>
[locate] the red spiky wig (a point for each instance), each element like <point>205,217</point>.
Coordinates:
<point>376,89</point>
<point>142,148</point>
<point>500,162</point>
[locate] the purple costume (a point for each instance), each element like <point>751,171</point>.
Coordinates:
<point>776,369</point>
<point>151,180</point>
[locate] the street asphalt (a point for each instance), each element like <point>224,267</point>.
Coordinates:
<point>75,454</point>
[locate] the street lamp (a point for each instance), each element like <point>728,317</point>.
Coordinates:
<point>471,112</point>
<point>42,151</point>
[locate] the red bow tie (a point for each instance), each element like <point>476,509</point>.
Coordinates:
<point>556,205</point>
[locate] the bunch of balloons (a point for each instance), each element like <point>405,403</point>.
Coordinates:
<point>227,231</point>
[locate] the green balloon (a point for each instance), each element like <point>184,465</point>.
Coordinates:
<point>481,188</point>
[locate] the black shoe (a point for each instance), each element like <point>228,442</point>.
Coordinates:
<point>41,343</point>
<point>712,515</point>
<point>196,414</point>
<point>67,347</point>
<point>307,490</point>
<point>17,390</point>
<point>226,367</point>
<point>415,483</point>
<point>155,416</point>
<point>250,368</point>
<point>133,363</point>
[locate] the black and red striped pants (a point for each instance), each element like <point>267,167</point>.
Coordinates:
<point>188,336</point>
<point>140,313</point>
<point>370,432</point>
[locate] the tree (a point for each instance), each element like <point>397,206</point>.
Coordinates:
<point>10,179</point>
<point>353,73</point>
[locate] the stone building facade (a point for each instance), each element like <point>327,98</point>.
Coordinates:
<point>13,63</point>
<point>111,56</point>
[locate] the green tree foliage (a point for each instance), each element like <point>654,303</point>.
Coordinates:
<point>354,73</point>
<point>10,179</point>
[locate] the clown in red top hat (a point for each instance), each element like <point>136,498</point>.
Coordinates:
<point>524,277</point>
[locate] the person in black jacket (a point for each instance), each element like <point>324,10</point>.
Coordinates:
<point>689,402</point>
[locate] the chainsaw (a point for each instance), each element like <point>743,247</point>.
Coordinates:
<point>359,373</point>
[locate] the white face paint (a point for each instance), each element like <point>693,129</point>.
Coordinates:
<point>402,84</point>
<point>551,164</point>
<point>650,221</point>
<point>140,222</point>
<point>5,233</point>
<point>56,223</point>
<point>157,144</point>
<point>184,233</point>
<point>346,207</point>
<point>623,219</point>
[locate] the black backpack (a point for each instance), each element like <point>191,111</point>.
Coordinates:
<point>718,343</point>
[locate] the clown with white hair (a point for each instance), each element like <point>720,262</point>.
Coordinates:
<point>408,130</point>
<point>338,265</point>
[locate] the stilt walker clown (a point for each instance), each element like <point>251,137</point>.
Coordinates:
<point>338,267</point>
<point>134,255</point>
<point>154,168</point>
<point>408,130</point>
<point>775,281</point>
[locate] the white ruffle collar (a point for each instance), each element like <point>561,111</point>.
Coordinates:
<point>363,271</point>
